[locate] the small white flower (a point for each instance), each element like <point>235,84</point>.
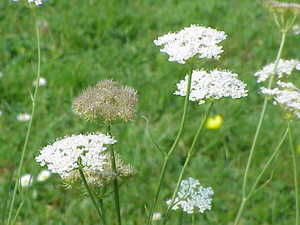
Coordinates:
<point>23,117</point>
<point>26,180</point>
<point>63,155</point>
<point>43,175</point>
<point>42,82</point>
<point>296,29</point>
<point>1,113</point>
<point>36,2</point>
<point>156,216</point>
<point>286,95</point>
<point>284,68</point>
<point>192,41</point>
<point>213,85</point>
<point>1,74</point>
<point>192,197</point>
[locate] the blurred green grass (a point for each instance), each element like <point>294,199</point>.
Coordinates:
<point>88,41</point>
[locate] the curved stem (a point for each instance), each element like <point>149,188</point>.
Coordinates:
<point>188,159</point>
<point>33,98</point>
<point>295,172</point>
<point>170,152</point>
<point>115,181</point>
<point>261,118</point>
<point>90,193</point>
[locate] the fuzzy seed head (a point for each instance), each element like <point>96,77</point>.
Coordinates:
<point>108,101</point>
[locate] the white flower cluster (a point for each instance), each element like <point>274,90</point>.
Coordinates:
<point>214,85</point>
<point>191,41</point>
<point>62,156</point>
<point>285,95</point>
<point>296,29</point>
<point>192,196</point>
<point>36,2</point>
<point>285,67</point>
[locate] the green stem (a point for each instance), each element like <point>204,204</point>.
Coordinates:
<point>261,118</point>
<point>266,166</point>
<point>90,194</point>
<point>115,181</point>
<point>187,160</point>
<point>103,211</point>
<point>295,172</point>
<point>170,152</point>
<point>34,97</point>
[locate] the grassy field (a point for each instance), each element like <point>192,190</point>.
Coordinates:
<point>86,41</point>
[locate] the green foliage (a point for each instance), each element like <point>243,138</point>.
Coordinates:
<point>86,41</point>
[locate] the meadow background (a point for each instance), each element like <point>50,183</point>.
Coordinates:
<point>83,42</point>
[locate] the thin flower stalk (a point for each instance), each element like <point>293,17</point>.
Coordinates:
<point>28,132</point>
<point>254,186</point>
<point>292,149</point>
<point>115,181</point>
<point>91,195</point>
<point>170,152</point>
<point>188,159</point>
<point>258,129</point>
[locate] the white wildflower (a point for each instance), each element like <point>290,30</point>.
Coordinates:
<point>286,95</point>
<point>63,156</point>
<point>42,82</point>
<point>1,74</point>
<point>296,29</point>
<point>191,41</point>
<point>36,2</point>
<point>43,175</point>
<point>26,180</point>
<point>156,216</point>
<point>192,197</point>
<point>1,113</point>
<point>23,117</point>
<point>285,67</point>
<point>214,85</point>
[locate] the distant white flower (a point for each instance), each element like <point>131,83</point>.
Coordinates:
<point>26,180</point>
<point>192,41</point>
<point>192,197</point>
<point>286,95</point>
<point>43,175</point>
<point>63,156</point>
<point>296,29</point>
<point>1,113</point>
<point>213,85</point>
<point>285,67</point>
<point>36,2</point>
<point>23,117</point>
<point>156,216</point>
<point>42,82</point>
<point>1,74</point>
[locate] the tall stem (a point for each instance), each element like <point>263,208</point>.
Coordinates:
<point>187,160</point>
<point>90,194</point>
<point>254,186</point>
<point>115,181</point>
<point>261,118</point>
<point>170,152</point>
<point>295,172</point>
<point>34,98</point>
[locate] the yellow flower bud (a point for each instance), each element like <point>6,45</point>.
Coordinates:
<point>214,122</point>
